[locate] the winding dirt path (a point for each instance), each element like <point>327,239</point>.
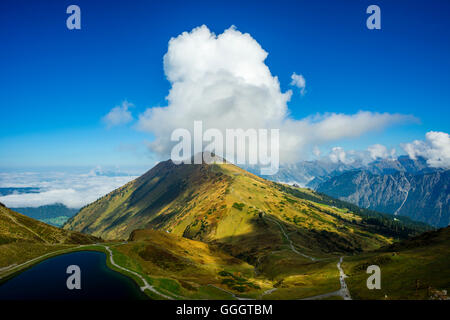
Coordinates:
<point>291,244</point>
<point>14,220</point>
<point>146,285</point>
<point>229,292</point>
<point>342,292</point>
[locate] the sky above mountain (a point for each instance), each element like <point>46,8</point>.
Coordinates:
<point>110,93</point>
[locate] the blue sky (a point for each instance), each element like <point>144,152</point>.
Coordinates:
<point>57,84</point>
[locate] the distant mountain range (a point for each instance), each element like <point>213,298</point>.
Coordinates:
<point>312,173</point>
<point>380,167</point>
<point>421,196</point>
<point>401,186</point>
<point>307,173</point>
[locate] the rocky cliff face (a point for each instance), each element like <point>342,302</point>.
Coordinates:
<point>422,196</point>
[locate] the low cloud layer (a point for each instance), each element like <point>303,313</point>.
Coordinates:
<point>435,148</point>
<point>223,80</point>
<point>361,157</point>
<point>71,189</point>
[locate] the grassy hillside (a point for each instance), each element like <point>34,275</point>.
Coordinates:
<point>190,269</point>
<point>23,238</point>
<point>397,226</point>
<point>184,267</point>
<point>16,227</point>
<point>417,268</point>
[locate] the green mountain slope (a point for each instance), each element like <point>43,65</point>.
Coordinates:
<point>416,268</point>
<point>23,238</point>
<point>16,227</point>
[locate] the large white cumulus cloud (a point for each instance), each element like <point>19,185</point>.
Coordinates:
<point>435,148</point>
<point>223,80</point>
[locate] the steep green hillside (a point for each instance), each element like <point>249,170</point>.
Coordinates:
<point>15,227</point>
<point>417,268</point>
<point>397,226</point>
<point>187,269</point>
<point>182,267</point>
<point>23,238</point>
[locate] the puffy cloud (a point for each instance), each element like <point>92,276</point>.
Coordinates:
<point>298,81</point>
<point>338,154</point>
<point>71,189</point>
<point>435,148</point>
<point>337,126</point>
<point>118,115</point>
<point>316,151</point>
<point>297,135</point>
<point>223,80</point>
<point>378,151</point>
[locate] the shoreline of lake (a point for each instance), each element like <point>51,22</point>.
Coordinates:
<point>46,279</point>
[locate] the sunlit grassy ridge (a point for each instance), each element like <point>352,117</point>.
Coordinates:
<point>412,269</point>
<point>15,227</point>
<point>189,269</point>
<point>23,238</point>
<point>187,266</point>
<point>398,226</point>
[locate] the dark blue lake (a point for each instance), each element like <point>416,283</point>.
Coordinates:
<point>47,281</point>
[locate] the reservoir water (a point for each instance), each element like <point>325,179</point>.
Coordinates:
<point>47,280</point>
